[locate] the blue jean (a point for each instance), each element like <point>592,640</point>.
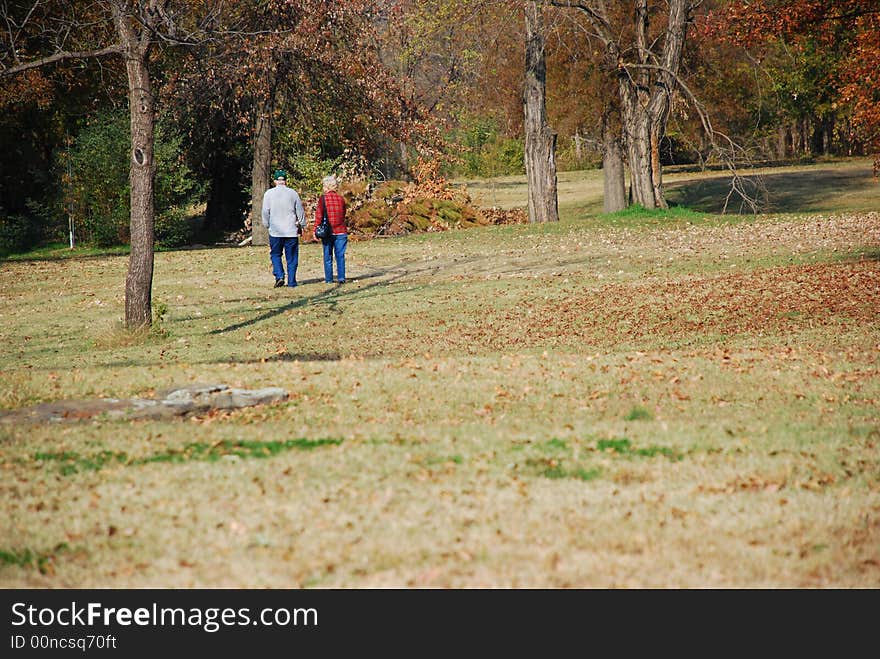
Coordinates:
<point>335,246</point>
<point>290,247</point>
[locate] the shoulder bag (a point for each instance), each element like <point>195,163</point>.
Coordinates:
<point>323,230</point>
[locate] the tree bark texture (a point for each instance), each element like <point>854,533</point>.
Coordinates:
<point>658,130</point>
<point>260,173</point>
<point>613,173</point>
<point>540,140</point>
<point>139,280</point>
<point>781,142</point>
<point>637,137</point>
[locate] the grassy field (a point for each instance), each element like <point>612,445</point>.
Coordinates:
<point>819,187</point>
<point>643,400</point>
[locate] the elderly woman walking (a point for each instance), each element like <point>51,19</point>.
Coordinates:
<point>332,203</point>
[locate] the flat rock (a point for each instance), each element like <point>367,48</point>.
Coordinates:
<point>181,401</point>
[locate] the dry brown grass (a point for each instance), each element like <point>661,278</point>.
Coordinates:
<point>553,406</point>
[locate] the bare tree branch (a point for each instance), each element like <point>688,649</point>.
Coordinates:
<point>59,56</point>
<point>597,19</point>
<point>13,34</point>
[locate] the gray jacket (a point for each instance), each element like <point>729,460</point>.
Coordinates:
<point>283,212</point>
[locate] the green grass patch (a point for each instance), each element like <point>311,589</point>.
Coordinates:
<point>640,216</point>
<point>555,468</point>
<point>638,413</point>
<point>28,558</point>
<point>559,471</point>
<point>72,463</point>
<point>554,445</point>
<point>623,446</point>
<point>59,251</point>
<point>434,460</point>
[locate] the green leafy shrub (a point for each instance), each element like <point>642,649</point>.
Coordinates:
<point>17,233</point>
<point>484,151</point>
<point>305,168</point>
<point>174,228</point>
<point>175,184</point>
<point>502,157</point>
<point>98,192</point>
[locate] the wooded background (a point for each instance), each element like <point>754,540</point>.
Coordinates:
<point>126,118</point>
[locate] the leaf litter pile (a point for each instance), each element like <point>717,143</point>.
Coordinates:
<point>774,301</point>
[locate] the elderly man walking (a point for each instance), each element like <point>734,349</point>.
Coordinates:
<point>285,218</point>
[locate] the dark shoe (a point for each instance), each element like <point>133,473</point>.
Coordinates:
<point>279,283</point>
<point>341,281</point>
<point>293,285</point>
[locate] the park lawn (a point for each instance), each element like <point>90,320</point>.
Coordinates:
<point>604,402</point>
<point>823,186</point>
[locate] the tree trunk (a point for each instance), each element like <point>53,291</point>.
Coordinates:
<point>781,150</point>
<point>658,129</point>
<point>646,99</point>
<point>613,174</point>
<point>139,280</point>
<point>578,146</point>
<point>804,136</point>
<point>260,173</point>
<point>540,140</point>
<point>637,132</point>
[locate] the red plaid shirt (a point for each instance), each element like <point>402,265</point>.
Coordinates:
<point>335,212</point>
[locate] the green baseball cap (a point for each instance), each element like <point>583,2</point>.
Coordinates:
<point>279,173</point>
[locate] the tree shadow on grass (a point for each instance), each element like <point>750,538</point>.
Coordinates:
<point>331,296</point>
<point>814,190</point>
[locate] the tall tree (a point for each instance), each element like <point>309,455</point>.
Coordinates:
<point>44,32</point>
<point>540,140</point>
<point>643,45</point>
<point>261,163</point>
<point>613,169</point>
<point>135,32</point>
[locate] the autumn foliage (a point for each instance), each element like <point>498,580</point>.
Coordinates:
<point>849,27</point>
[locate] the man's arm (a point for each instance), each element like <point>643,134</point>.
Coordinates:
<point>265,214</point>
<point>300,212</point>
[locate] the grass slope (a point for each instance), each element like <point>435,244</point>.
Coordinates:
<point>632,401</point>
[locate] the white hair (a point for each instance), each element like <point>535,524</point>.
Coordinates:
<point>329,182</point>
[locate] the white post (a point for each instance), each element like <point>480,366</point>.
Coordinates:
<point>70,200</point>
